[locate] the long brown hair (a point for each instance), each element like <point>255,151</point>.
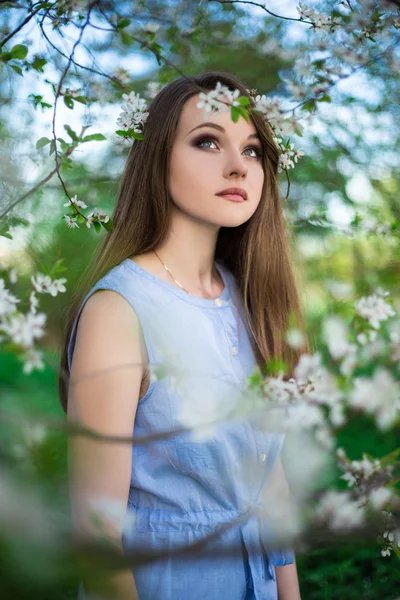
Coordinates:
<point>257,252</point>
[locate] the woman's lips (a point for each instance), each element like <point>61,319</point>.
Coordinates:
<point>232,197</point>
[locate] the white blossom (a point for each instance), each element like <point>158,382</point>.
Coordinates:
<point>151,27</point>
<point>13,275</point>
<point>303,66</point>
<point>7,300</point>
<point>33,433</point>
<point>71,221</point>
<point>285,162</point>
<point>32,360</point>
<point>339,511</point>
<point>134,113</point>
<point>101,216</point>
<point>123,75</point>
<point>379,395</point>
<point>308,367</point>
<point>33,302</point>
<point>23,329</point>
<point>153,87</point>
<point>335,334</point>
<point>215,100</point>
<point>374,309</point>
<point>358,469</point>
<point>280,391</point>
<point>380,497</point>
<point>294,337</point>
<point>77,202</point>
<point>43,284</point>
<point>297,90</point>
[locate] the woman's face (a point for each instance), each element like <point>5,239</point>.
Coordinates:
<point>210,159</point>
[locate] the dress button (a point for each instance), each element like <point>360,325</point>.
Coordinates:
<point>218,302</point>
<point>234,350</point>
<point>263,457</point>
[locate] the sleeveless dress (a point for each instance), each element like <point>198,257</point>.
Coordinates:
<point>191,485</point>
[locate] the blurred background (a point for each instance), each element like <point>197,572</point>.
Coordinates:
<point>343,205</point>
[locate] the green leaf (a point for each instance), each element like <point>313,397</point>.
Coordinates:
<point>17,69</point>
<point>254,380</point>
<point>310,106</point>
<point>43,141</point>
<point>68,102</point>
<point>243,100</point>
<point>4,231</point>
<point>130,133</point>
<point>126,38</point>
<point>19,51</point>
<point>38,64</point>
<point>108,225</point>
<point>235,114</point>
<point>123,23</point>
<point>94,137</point>
<point>71,133</point>
<point>52,147</point>
<point>80,99</point>
<point>237,111</point>
<point>6,56</point>
<point>17,221</point>
<point>97,226</point>
<point>276,366</point>
<point>64,144</point>
<point>324,98</point>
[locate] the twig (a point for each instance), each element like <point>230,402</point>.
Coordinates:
<point>263,8</point>
<point>57,95</point>
<point>24,22</point>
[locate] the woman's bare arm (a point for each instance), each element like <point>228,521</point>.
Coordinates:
<point>277,491</point>
<point>287,582</point>
<point>103,396</point>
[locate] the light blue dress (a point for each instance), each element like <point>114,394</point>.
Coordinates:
<point>188,486</point>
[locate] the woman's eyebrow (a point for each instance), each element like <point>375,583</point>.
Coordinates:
<point>215,126</point>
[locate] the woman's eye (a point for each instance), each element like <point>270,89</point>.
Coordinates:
<point>212,140</point>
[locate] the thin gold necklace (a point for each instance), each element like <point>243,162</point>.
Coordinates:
<point>166,268</point>
<point>238,325</point>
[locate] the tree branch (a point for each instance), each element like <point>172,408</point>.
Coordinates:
<point>24,22</point>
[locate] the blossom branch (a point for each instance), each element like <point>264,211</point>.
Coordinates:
<point>263,7</point>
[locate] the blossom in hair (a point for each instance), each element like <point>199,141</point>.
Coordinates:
<point>220,99</point>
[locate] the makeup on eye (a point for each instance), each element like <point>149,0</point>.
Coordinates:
<point>211,138</point>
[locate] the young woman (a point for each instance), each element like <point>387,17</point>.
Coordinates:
<point>192,279</point>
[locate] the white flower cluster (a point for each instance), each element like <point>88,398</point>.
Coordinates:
<point>374,309</point>
<point>288,155</point>
<point>391,538</point>
<point>371,225</point>
<point>339,511</point>
<point>319,21</point>
<point>301,402</point>
<point>134,113</point>
<point>358,470</point>
<point>378,396</point>
<point>23,329</point>
<point>44,285</point>
<point>219,100</point>
<point>96,216</point>
<point>280,124</point>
